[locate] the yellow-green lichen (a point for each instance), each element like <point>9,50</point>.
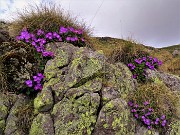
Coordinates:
<point>2,125</point>
<point>36,127</point>
<point>3,111</point>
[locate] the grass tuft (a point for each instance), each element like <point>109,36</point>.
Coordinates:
<point>48,17</point>
<point>161,99</point>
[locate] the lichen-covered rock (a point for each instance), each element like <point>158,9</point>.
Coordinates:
<point>83,66</point>
<point>76,116</point>
<point>42,125</point>
<point>171,81</point>
<point>119,77</point>
<point>114,119</point>
<point>2,126</point>
<point>44,100</point>
<point>12,127</point>
<point>5,104</point>
<point>90,86</point>
<point>109,93</point>
<point>141,130</point>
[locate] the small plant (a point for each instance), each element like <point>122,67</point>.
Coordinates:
<point>145,115</point>
<point>139,65</point>
<point>33,85</point>
<point>153,105</point>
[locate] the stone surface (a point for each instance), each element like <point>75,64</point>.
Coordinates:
<point>44,100</point>
<point>12,127</point>
<point>76,116</point>
<point>42,125</point>
<point>171,81</point>
<point>114,119</point>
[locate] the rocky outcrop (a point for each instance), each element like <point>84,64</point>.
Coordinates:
<point>83,94</point>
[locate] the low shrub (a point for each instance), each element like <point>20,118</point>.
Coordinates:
<point>139,65</point>
<point>153,105</point>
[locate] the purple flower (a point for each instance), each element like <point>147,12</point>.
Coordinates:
<point>55,34</point>
<point>68,38</point>
<point>38,86</point>
<point>155,59</point>
<point>134,76</point>
<point>164,123</point>
<point>130,103</point>
<point>143,117</point>
<point>60,39</point>
<point>82,39</point>
<point>157,119</point>
<point>43,41</point>
<point>133,110</point>
<point>71,29</point>
<point>41,76</point>
<point>133,67</point>
<point>163,117</point>
<point>46,54</point>
<point>130,65</point>
<point>18,38</point>
<point>150,109</point>
<point>63,30</point>
<point>156,122</point>
<point>139,61</point>
<point>136,106</point>
<point>144,58</point>
<point>33,43</point>
<point>159,63</point>
<point>147,122</point>
<point>49,35</point>
<point>147,114</point>
<point>72,39</point>
<point>151,67</point>
<point>146,103</point>
<point>38,49</point>
<point>150,57</point>
<point>136,115</point>
<point>149,127</point>
<point>148,64</point>
<point>40,32</point>
<point>24,34</point>
<point>29,83</point>
<point>78,31</point>
<point>37,79</point>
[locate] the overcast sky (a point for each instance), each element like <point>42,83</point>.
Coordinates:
<point>151,22</point>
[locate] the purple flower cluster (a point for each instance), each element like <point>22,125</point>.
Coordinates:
<point>72,35</point>
<point>139,66</point>
<point>39,39</point>
<point>144,114</point>
<point>38,43</point>
<point>35,82</point>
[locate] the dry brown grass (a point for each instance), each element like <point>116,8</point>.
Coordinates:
<point>48,17</point>
<point>161,98</point>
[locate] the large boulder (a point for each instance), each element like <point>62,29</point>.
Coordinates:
<point>80,85</point>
